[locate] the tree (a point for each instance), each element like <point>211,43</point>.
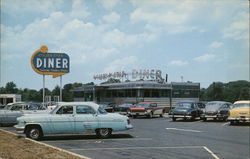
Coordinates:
<point>11,88</point>
<point>112,80</point>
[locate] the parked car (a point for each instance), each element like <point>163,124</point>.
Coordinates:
<point>185,110</point>
<point>239,112</point>
<point>12,111</point>
<point>124,108</point>
<point>1,106</point>
<point>148,109</point>
<point>109,107</point>
<point>73,118</point>
<point>216,110</point>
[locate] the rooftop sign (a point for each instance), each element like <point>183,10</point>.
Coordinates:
<point>55,64</point>
<point>145,74</point>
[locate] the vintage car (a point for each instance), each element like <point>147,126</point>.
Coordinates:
<point>12,111</point>
<point>216,110</point>
<point>239,112</point>
<point>109,107</point>
<point>73,118</point>
<point>124,108</point>
<point>148,109</point>
<point>185,110</point>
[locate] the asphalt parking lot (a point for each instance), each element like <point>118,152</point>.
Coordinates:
<point>160,138</point>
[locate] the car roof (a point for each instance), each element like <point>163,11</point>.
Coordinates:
<point>242,101</point>
<point>146,103</point>
<point>92,104</point>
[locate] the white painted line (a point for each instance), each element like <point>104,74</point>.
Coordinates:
<point>46,145</point>
<point>99,140</point>
<point>184,130</point>
<point>134,148</point>
<point>225,124</point>
<point>216,157</point>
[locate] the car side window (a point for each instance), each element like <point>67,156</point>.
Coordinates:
<point>65,110</point>
<point>82,109</point>
<point>16,107</point>
<point>153,105</point>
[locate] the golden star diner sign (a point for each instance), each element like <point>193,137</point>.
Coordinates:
<point>55,64</point>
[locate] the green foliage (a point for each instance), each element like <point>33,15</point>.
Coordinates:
<point>231,91</point>
<point>111,80</point>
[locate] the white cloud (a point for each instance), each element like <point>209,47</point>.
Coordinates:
<point>108,4</point>
<point>112,17</point>
<point>178,63</point>
<point>122,64</point>
<point>205,58</point>
<point>239,28</point>
<point>216,44</point>
<point>79,9</point>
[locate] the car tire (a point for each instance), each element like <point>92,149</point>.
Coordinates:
<point>161,115</point>
<point>103,133</point>
<point>34,133</point>
<point>173,119</point>
<point>134,116</point>
<point>150,115</point>
<point>204,119</point>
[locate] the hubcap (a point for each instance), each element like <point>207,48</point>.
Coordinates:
<point>34,133</point>
<point>104,131</point>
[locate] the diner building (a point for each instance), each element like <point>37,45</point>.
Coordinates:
<point>164,94</point>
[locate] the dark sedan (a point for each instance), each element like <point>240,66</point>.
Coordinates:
<point>216,110</point>
<point>185,110</point>
<point>124,108</point>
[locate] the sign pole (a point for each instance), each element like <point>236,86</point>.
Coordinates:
<point>43,89</point>
<point>60,88</point>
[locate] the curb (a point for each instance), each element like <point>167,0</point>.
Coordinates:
<point>44,144</point>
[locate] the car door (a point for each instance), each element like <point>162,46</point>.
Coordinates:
<point>85,119</point>
<point>12,114</point>
<point>63,120</point>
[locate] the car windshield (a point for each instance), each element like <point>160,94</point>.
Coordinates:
<point>241,105</point>
<point>142,105</point>
<point>214,104</point>
<point>184,105</point>
<point>101,110</point>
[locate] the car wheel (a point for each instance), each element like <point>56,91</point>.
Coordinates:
<point>192,118</point>
<point>134,116</point>
<point>34,133</point>
<point>150,115</point>
<point>204,119</point>
<point>173,118</point>
<point>103,133</point>
<point>161,115</point>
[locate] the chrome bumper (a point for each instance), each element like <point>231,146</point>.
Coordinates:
<point>139,113</point>
<point>239,119</point>
<point>129,126</point>
<point>181,116</point>
<point>20,130</point>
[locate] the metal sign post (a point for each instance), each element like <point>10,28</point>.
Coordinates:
<point>43,90</point>
<point>60,88</point>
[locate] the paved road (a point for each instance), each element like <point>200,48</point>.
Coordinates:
<point>160,138</point>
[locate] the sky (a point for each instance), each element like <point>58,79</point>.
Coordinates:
<point>202,41</point>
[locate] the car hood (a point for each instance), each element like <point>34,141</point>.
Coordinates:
<point>241,109</point>
<point>137,109</point>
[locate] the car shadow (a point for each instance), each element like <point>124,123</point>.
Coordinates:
<point>84,137</point>
<point>241,124</point>
<point>217,121</point>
